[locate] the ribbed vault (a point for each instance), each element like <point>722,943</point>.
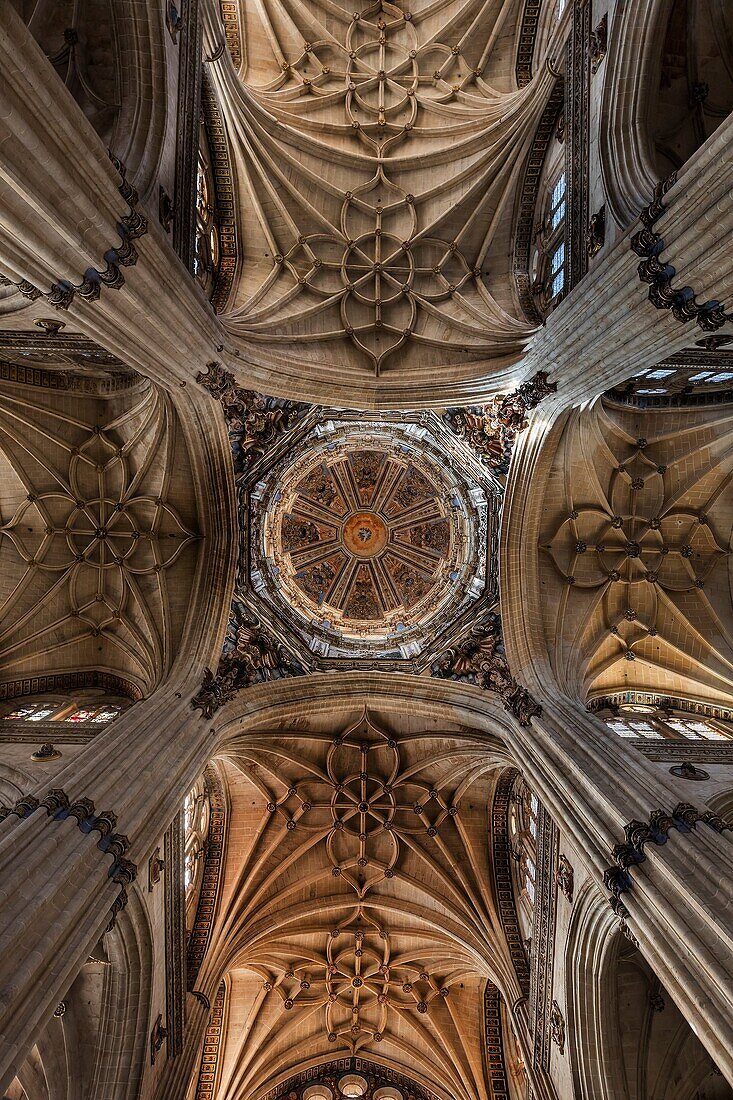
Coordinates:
<point>635,551</point>
<point>359,913</point>
<point>98,531</point>
<point>378,155</point>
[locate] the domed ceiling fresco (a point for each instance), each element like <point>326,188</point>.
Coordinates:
<point>371,537</point>
<point>367,540</point>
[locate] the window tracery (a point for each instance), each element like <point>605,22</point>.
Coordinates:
<point>549,260</point>
<point>82,710</point>
<point>195,827</point>
<point>207,247</point>
<point>711,372</point>
<point>523,826</point>
<point>657,727</point>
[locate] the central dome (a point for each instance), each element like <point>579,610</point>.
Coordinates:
<point>370,536</point>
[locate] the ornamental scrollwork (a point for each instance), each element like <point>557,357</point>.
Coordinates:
<point>492,429</point>
<point>251,656</point>
<point>255,421</point>
<point>480,660</point>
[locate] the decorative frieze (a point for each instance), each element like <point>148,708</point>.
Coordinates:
<point>230,18</point>
<point>211,878</point>
<point>577,143</point>
<point>175,935</point>
<point>208,1069</point>
<point>505,897</point>
<point>552,117</point>
<point>543,938</point>
<point>224,187</point>
<point>526,41</point>
<point>496,1062</point>
<point>187,134</point>
<point>661,702</point>
<point>480,660</point>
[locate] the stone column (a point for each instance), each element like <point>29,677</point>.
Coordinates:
<point>679,904</point>
<point>607,329</point>
<point>56,893</point>
<point>64,208</point>
<point>593,783</point>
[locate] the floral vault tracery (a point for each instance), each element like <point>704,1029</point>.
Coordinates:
<point>359,246</point>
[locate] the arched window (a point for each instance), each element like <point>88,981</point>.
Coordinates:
<point>523,824</point>
<point>712,372</point>
<point>196,827</point>
<point>658,725</point>
<point>548,268</point>
<point>207,246</point>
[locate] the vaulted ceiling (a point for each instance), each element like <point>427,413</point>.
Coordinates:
<point>359,915</point>
<point>378,156</point>
<point>635,551</point>
<point>98,528</point>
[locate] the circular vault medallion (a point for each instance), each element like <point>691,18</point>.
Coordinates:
<point>370,538</point>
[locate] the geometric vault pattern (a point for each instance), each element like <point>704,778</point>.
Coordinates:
<point>378,153</point>
<point>362,919</point>
<point>88,534</point>
<point>640,541</point>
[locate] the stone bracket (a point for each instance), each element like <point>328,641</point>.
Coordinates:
<point>130,227</point>
<point>684,818</point>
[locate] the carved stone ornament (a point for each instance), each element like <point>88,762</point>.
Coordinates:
<point>596,235</point>
<point>130,226</point>
<point>685,770</point>
<point>626,931</point>
<point>598,45</point>
<point>155,867</point>
<point>565,878</point>
<point>255,421</point>
<point>173,20</point>
<point>250,657</point>
<point>557,1027</point>
<point>684,818</point>
<point>46,752</point>
<point>682,302</point>
<point>491,429</point>
<point>157,1038</point>
<point>479,660</point>
<point>165,209</point>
